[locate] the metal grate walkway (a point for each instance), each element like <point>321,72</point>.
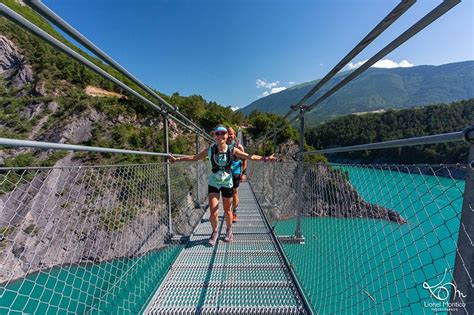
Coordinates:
<point>246,276</point>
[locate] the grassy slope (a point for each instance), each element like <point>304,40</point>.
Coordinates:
<point>62,80</point>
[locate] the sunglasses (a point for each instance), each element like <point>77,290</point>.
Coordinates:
<point>220,133</point>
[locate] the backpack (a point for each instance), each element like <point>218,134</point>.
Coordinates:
<point>229,159</point>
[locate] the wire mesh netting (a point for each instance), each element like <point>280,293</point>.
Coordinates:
<point>92,239</point>
<point>378,238</point>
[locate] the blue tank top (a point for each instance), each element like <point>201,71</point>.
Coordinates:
<point>237,163</point>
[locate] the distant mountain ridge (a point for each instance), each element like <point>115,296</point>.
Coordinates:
<point>378,89</point>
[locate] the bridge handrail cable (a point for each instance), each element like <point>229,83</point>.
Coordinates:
<point>72,147</point>
<point>464,135</point>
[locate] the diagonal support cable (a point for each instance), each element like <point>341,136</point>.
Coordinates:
<point>388,20</point>
<point>18,19</point>
<point>429,18</point>
<point>397,12</point>
<point>432,16</point>
<point>50,15</point>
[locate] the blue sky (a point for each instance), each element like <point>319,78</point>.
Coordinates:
<point>233,52</point>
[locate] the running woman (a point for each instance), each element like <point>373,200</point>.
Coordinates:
<point>220,182</point>
<point>238,168</point>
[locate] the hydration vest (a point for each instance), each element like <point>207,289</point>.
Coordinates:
<point>229,159</point>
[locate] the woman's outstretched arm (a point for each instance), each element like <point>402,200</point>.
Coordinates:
<point>200,156</point>
<point>253,157</point>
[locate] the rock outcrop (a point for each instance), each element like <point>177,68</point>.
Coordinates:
<point>336,197</point>
<point>327,193</point>
<point>13,66</point>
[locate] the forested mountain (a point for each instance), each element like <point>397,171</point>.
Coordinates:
<point>398,124</point>
<point>378,89</point>
<point>47,96</point>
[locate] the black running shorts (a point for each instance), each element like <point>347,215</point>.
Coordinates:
<point>226,192</point>
<point>236,180</point>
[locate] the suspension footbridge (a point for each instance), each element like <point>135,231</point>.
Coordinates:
<point>247,276</point>
<point>311,237</point>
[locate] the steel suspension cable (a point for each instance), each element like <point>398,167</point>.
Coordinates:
<point>429,18</point>
<point>388,20</point>
<point>51,16</point>
<point>18,19</point>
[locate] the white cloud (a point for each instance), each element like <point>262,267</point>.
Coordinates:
<point>291,83</point>
<point>352,65</point>
<point>267,85</point>
<point>384,63</point>
<point>273,90</point>
<point>277,89</point>
<point>405,64</point>
<point>270,87</point>
<point>234,108</point>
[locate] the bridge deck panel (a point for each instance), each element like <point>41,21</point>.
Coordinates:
<point>245,276</point>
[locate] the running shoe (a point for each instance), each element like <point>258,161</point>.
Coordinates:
<point>234,217</point>
<point>213,238</point>
<point>229,236</point>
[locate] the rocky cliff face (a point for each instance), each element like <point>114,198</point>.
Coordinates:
<point>13,65</point>
<point>78,214</point>
<point>70,213</point>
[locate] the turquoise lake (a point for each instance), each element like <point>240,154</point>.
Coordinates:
<point>346,265</point>
<point>121,286</point>
<point>374,266</point>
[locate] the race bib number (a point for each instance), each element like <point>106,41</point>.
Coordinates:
<point>221,176</point>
